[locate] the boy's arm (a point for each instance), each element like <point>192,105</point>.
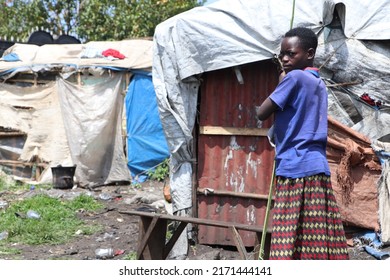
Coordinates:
<point>268,107</point>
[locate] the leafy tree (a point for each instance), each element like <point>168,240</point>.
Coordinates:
<point>20,17</point>
<point>96,20</point>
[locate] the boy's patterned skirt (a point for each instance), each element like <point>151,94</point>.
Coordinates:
<point>306,221</point>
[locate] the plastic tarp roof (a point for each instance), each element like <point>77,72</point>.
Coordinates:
<point>353,50</point>
<point>137,54</point>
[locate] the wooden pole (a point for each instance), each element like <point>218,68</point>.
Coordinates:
<point>210,192</point>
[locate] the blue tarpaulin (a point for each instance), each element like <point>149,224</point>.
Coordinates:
<point>146,143</point>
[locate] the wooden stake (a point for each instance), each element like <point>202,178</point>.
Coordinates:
<point>79,78</point>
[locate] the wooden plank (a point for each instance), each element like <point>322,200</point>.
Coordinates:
<point>21,163</point>
<point>153,240</point>
<point>79,78</point>
<point>29,81</point>
<point>195,181</point>
<point>11,134</point>
<point>244,131</point>
<point>151,235</point>
<point>211,192</point>
<point>239,244</point>
<point>198,221</point>
<point>174,238</point>
<point>146,236</point>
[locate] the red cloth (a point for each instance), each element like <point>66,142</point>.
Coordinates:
<point>366,98</point>
<point>113,53</point>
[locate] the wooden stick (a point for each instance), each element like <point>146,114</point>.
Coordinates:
<point>79,78</point>
<point>210,192</point>
<point>239,244</point>
<point>10,134</point>
<point>22,163</point>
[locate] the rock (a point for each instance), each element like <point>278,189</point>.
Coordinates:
<point>212,255</point>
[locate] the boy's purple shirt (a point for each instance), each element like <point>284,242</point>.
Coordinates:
<point>301,124</point>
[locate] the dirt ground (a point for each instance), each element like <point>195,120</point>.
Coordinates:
<point>120,231</point>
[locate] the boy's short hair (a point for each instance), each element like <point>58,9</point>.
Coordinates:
<point>308,39</point>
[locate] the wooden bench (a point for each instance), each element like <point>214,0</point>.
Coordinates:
<point>153,227</point>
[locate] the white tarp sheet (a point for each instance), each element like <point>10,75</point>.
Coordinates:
<point>35,111</point>
<point>138,55</point>
<point>68,124</point>
<point>228,33</point>
<point>92,116</point>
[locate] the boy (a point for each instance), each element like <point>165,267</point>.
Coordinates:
<point>306,220</point>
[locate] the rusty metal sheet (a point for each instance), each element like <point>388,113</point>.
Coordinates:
<point>235,170</point>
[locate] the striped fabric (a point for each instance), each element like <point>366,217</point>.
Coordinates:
<point>306,221</point>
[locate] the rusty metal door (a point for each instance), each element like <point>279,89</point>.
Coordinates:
<point>235,160</point>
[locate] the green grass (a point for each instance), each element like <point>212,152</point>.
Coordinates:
<point>57,225</point>
<point>130,256</point>
<point>6,250</point>
<point>8,186</point>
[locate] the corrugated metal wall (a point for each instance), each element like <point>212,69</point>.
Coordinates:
<point>234,162</point>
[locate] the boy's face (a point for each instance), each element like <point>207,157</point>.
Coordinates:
<point>293,56</point>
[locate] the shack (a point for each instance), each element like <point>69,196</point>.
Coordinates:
<point>213,64</point>
<point>64,105</point>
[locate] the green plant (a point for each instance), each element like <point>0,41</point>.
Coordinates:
<point>84,201</point>
<point>169,233</point>
<point>112,20</point>
<point>130,256</point>
<point>8,184</point>
<point>136,185</point>
<point>161,172</point>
